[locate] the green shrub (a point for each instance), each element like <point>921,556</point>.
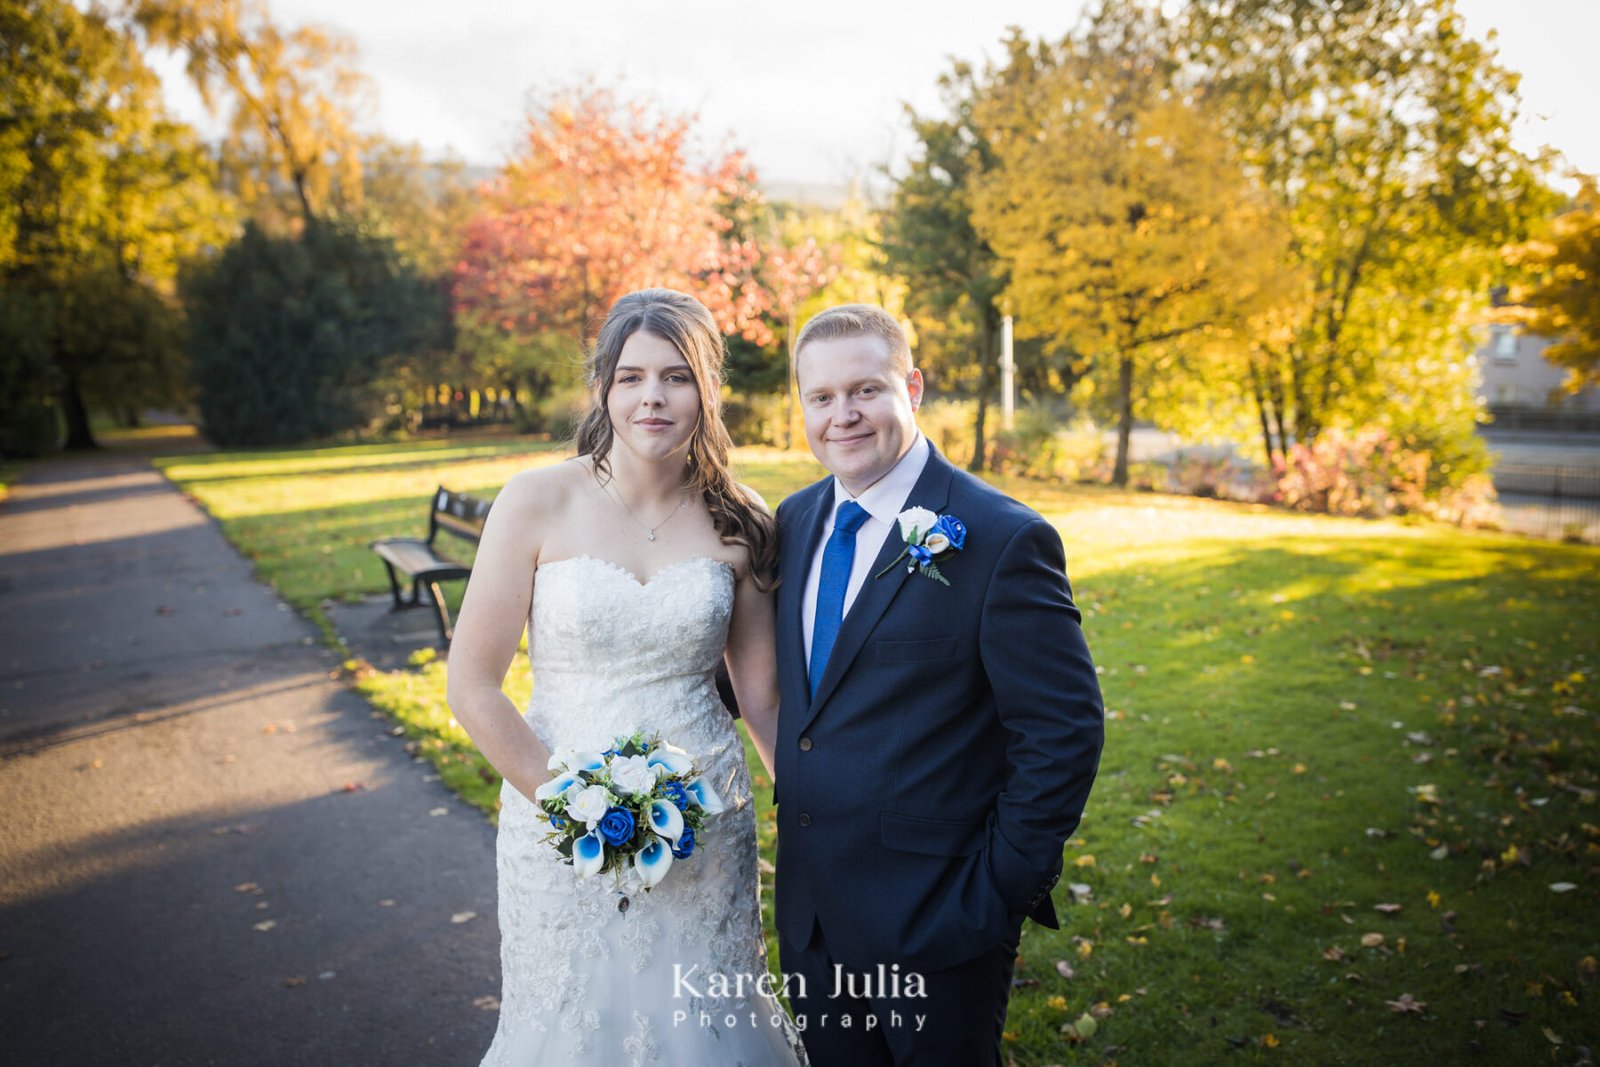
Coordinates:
<point>948,423</point>
<point>289,337</point>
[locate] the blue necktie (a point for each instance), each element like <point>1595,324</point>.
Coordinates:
<point>837,559</point>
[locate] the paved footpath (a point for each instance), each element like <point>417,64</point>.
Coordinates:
<point>210,851</point>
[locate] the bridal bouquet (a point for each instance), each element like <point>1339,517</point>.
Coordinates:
<point>638,805</point>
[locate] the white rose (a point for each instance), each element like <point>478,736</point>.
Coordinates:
<point>920,520</point>
<point>590,805</point>
<point>632,774</point>
<point>936,543</point>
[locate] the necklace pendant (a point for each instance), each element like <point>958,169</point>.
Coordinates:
<point>650,535</point>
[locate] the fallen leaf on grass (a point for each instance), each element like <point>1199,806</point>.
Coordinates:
<point>1407,1004</point>
<point>1269,1041</point>
<point>1056,1003</point>
<point>1334,953</point>
<point>1371,940</point>
<point>1562,887</point>
<point>1064,969</point>
<point>1387,909</point>
<point>463,916</point>
<point>1551,1036</point>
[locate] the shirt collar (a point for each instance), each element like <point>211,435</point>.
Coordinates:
<point>886,498</point>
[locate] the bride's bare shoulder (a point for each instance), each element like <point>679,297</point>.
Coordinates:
<point>545,490</point>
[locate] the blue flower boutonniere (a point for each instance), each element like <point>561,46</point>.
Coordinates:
<point>929,538</point>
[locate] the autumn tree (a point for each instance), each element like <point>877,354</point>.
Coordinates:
<point>106,197</point>
<point>1129,232</point>
<point>294,99</point>
<point>1564,303</point>
<point>603,198</point>
<point>1384,133</point>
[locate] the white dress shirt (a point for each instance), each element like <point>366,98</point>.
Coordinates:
<point>884,500</point>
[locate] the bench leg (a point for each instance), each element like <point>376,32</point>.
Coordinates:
<point>394,585</point>
<point>445,630</point>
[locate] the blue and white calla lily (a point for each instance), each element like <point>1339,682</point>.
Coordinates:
<point>705,796</point>
<point>671,760</point>
<point>652,862</point>
<point>556,786</point>
<point>588,854</point>
<point>666,820</point>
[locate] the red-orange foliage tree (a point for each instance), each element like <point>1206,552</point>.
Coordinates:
<point>603,199</point>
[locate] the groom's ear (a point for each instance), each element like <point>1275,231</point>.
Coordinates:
<point>914,387</point>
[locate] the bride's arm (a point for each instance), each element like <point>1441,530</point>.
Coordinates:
<point>752,659</point>
<point>494,612</point>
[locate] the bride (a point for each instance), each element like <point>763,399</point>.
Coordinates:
<point>637,567</point>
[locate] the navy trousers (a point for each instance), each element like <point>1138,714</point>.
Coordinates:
<point>854,1018</point>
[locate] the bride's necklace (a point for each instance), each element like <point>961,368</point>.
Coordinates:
<point>649,531</point>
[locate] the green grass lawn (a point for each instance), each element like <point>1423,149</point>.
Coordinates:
<point>1346,811</point>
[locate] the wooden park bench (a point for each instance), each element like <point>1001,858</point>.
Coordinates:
<point>455,513</point>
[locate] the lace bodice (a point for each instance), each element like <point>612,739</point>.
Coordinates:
<point>611,655</point>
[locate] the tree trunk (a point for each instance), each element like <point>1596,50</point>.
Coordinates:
<point>79,436</point>
<point>1261,411</point>
<point>130,417</point>
<point>1119,474</point>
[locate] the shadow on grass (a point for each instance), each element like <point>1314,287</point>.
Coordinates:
<point>1300,734</point>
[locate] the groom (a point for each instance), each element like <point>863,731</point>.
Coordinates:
<point>940,723</point>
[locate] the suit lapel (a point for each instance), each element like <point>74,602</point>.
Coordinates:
<point>932,491</point>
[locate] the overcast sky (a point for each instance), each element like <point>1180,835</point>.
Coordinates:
<point>813,92</point>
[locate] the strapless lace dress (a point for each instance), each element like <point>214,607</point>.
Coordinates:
<point>586,981</point>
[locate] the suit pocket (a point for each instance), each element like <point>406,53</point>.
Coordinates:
<point>930,837</point>
<point>914,651</point>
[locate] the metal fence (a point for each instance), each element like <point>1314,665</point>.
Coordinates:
<point>1561,503</point>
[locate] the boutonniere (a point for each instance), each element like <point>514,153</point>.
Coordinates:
<point>929,538</point>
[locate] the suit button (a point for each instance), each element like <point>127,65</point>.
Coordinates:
<point>805,744</point>
<point>805,820</point>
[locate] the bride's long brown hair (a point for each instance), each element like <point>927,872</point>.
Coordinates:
<point>683,322</point>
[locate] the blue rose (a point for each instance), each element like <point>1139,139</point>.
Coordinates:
<point>953,529</point>
<point>676,794</point>
<point>616,826</point>
<point>685,846</point>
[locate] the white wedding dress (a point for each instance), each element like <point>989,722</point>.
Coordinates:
<point>586,981</point>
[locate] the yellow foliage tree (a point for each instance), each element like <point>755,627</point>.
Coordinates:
<point>1565,302</point>
<point>1133,238</point>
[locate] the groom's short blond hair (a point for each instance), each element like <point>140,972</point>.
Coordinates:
<point>857,320</point>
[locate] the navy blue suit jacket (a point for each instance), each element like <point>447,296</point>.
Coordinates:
<point>926,792</point>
